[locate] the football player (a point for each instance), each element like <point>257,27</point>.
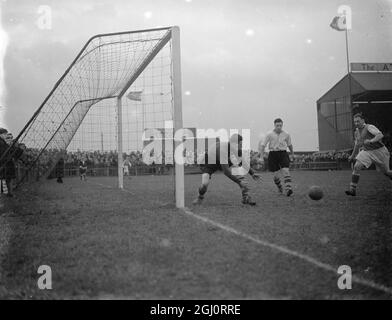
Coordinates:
<point>368,149</point>
<point>232,164</point>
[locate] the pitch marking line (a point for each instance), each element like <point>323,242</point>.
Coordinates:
<point>321,265</point>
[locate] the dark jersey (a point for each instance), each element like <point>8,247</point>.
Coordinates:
<point>222,153</point>
<point>368,132</point>
<point>83,167</point>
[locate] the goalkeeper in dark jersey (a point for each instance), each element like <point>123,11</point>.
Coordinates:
<point>227,157</point>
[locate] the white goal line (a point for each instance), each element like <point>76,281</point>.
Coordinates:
<point>275,247</point>
<point>281,249</point>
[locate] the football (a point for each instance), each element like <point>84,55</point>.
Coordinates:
<point>315,193</point>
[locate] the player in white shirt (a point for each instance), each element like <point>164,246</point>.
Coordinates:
<point>126,165</point>
<point>278,141</point>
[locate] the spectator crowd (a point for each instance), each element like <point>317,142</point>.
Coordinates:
<point>106,162</point>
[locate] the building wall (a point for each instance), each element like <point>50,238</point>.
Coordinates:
<point>335,126</point>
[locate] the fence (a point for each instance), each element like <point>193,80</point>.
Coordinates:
<point>321,165</point>
<point>111,171</point>
<point>142,170</point>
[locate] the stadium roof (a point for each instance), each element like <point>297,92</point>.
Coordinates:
<point>365,86</point>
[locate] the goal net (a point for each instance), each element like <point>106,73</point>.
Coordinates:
<point>120,88</point>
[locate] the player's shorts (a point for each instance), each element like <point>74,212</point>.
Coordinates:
<point>82,171</point>
<point>380,157</point>
<point>278,160</point>
<point>211,168</point>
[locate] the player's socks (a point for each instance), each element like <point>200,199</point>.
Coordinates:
<point>202,191</point>
<point>278,183</point>
<point>4,188</point>
<point>287,182</point>
<point>353,185</point>
<point>248,200</point>
<point>200,198</point>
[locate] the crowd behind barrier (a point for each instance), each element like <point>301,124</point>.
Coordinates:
<point>34,164</point>
<point>105,163</point>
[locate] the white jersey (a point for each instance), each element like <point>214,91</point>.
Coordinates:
<point>127,164</point>
<point>277,141</point>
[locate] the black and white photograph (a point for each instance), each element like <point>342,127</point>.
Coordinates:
<point>195,154</point>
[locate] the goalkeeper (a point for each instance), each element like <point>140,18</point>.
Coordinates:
<point>233,167</point>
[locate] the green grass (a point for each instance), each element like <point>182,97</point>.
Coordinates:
<point>104,243</point>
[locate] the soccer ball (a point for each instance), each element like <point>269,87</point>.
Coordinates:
<point>315,193</point>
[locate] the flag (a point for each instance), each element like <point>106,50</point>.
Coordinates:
<point>135,95</point>
<point>339,23</point>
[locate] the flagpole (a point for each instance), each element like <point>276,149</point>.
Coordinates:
<point>348,67</point>
<point>347,52</point>
<point>349,79</point>
<point>335,25</point>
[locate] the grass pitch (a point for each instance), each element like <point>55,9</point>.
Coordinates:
<point>104,243</point>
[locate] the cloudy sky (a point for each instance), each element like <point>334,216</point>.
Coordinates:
<point>244,62</point>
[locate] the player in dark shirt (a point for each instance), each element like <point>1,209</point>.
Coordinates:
<point>227,157</point>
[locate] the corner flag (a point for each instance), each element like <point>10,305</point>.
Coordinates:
<point>339,23</point>
<point>135,95</point>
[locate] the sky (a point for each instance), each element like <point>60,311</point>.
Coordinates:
<point>244,63</point>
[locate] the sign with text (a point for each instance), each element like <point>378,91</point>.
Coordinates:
<point>371,67</point>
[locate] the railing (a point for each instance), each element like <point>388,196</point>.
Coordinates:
<point>321,165</point>
<point>113,171</point>
<point>143,170</point>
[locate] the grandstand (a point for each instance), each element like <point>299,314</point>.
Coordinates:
<point>370,93</point>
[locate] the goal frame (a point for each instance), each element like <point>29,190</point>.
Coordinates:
<point>173,35</point>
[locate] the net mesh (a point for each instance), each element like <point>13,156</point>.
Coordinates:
<point>80,115</point>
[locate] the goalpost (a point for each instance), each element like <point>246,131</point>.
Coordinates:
<point>118,86</point>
